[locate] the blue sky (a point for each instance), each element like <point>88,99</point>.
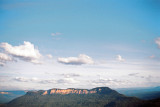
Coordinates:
<point>118,36</point>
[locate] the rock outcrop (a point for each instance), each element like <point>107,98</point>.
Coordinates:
<point>69,91</point>
<point>4,93</point>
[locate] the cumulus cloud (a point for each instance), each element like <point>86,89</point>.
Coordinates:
<point>157,41</point>
<point>47,81</point>
<point>109,82</point>
<point>152,56</point>
<point>81,59</point>
<point>119,58</point>
<point>59,81</point>
<point>4,58</point>
<point>147,77</point>
<point>26,52</point>
<point>2,64</point>
<point>55,34</point>
<point>34,79</point>
<point>49,56</point>
<point>23,79</point>
<point>70,75</point>
<point>133,74</point>
<point>67,81</point>
<point>104,81</point>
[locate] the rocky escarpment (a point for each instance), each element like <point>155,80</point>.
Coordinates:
<point>4,93</point>
<point>69,91</point>
<point>99,90</point>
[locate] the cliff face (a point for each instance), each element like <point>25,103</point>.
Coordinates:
<point>99,90</point>
<point>69,91</point>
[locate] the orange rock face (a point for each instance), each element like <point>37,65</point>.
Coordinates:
<point>52,91</point>
<point>92,91</point>
<point>4,93</point>
<point>69,91</point>
<point>45,93</point>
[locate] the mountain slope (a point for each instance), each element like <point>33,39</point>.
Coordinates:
<point>97,97</point>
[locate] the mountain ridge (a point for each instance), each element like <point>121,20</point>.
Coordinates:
<point>73,91</point>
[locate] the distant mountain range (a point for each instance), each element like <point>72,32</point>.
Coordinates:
<point>96,97</point>
<point>147,93</point>
<point>6,96</point>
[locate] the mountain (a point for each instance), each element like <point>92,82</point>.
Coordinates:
<point>148,93</point>
<point>7,96</point>
<point>96,97</point>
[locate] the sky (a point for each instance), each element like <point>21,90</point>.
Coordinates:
<point>48,44</point>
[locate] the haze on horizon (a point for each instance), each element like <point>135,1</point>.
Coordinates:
<point>79,44</point>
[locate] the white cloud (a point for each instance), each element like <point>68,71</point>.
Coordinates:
<point>119,58</point>
<point>147,77</point>
<point>34,79</point>
<point>23,79</point>
<point>67,81</point>
<point>133,74</point>
<point>157,41</point>
<point>152,56</point>
<point>48,81</point>
<point>104,81</point>
<point>4,58</point>
<point>81,59</point>
<point>109,82</point>
<point>55,34</point>
<point>49,56</point>
<point>59,81</point>
<point>70,75</point>
<point>26,52</point>
<point>2,63</point>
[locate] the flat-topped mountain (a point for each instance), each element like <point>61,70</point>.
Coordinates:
<point>75,91</point>
<point>96,97</point>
